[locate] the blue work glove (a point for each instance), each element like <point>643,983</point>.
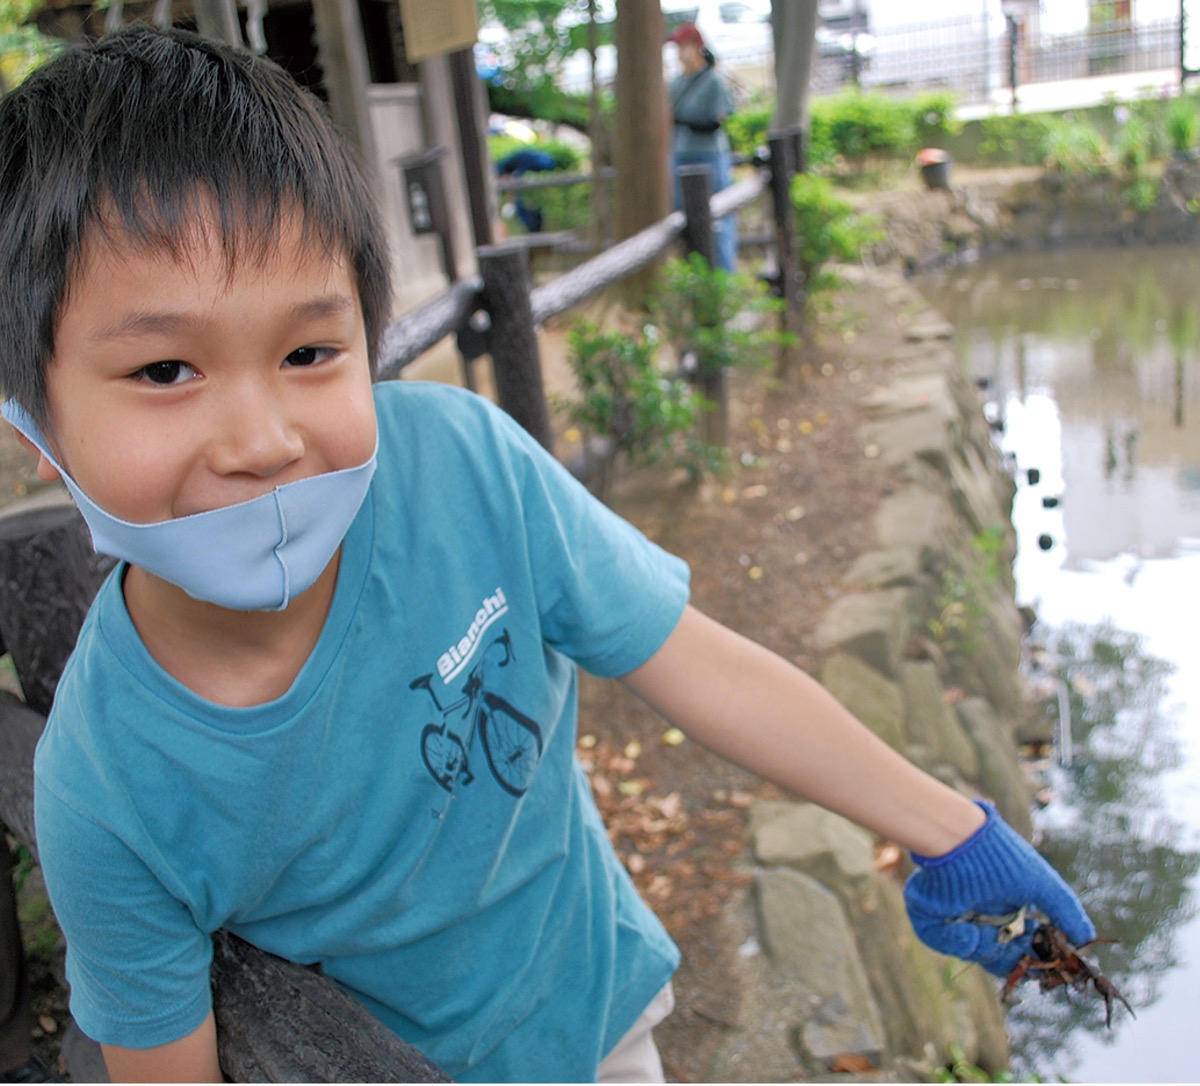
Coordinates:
<point>966,903</point>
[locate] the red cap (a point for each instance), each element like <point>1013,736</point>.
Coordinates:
<point>686,32</point>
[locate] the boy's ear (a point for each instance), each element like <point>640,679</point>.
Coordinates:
<point>47,472</point>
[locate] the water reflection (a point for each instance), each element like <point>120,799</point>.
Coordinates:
<point>1090,364</point>
<point>1112,834</point>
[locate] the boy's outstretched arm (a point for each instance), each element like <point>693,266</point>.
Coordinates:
<point>976,876</point>
<point>190,1059</point>
<point>755,709</point>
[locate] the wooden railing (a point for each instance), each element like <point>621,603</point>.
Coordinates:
<point>278,1021</point>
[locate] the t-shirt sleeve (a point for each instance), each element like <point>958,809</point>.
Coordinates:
<point>137,965</point>
<point>608,596</point>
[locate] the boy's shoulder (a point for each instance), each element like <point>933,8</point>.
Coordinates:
<point>429,416</point>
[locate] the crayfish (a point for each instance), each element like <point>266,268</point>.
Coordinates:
<point>1055,962</point>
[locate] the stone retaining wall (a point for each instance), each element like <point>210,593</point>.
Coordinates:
<point>832,967</point>
<point>1033,208</point>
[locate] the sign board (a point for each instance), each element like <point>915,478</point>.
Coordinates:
<point>433,27</point>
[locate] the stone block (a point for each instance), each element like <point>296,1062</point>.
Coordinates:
<point>895,567</point>
<point>915,517</point>
<point>807,934</point>
<point>930,723</point>
<point>872,625</point>
<point>923,997</point>
<point>810,839</point>
<point>1000,774</point>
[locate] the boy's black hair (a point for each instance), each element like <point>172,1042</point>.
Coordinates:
<point>140,134</point>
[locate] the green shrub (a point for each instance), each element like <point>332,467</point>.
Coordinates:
<point>856,126</point>
<point>645,413</point>
<point>624,396</point>
<point>563,207</point>
<point>1133,144</point>
<point>747,129</point>
<point>933,119</point>
<point>1075,148</point>
<point>704,313</point>
<point>828,230</point>
<point>1183,125</point>
<point>1015,138</point>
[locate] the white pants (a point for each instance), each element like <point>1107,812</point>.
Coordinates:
<point>635,1057</point>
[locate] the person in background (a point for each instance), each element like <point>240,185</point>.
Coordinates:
<point>700,102</point>
<point>518,163</point>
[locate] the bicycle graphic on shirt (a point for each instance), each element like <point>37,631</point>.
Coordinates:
<point>512,743</point>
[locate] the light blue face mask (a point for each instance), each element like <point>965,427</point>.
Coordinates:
<point>257,555</point>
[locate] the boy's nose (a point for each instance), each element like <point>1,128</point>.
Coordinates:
<point>257,437</point>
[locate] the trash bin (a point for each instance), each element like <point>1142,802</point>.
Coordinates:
<point>935,167</point>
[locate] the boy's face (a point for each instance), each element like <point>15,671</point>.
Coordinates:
<point>183,385</point>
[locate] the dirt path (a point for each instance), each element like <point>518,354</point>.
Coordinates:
<point>768,548</point>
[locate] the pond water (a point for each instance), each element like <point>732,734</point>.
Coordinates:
<point>1089,365</point>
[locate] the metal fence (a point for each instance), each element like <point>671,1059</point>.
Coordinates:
<point>979,58</point>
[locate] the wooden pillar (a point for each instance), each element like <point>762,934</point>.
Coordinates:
<point>696,185</point>
<point>696,189</point>
<point>516,360</point>
<point>346,76</point>
<point>218,19</point>
<point>472,138</point>
<point>787,157</point>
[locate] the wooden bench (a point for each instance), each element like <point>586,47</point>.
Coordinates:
<point>276,1021</point>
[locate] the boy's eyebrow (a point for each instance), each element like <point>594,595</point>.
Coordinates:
<point>150,322</point>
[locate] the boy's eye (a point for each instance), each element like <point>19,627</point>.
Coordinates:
<point>308,356</point>
<point>165,373</point>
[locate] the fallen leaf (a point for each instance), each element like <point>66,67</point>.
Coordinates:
<point>851,1063</point>
<point>888,857</point>
<point>670,805</point>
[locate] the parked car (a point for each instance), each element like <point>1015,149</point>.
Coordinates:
<point>735,30</point>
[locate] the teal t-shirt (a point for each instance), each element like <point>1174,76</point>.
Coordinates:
<point>410,815</point>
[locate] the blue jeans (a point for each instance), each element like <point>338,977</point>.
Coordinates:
<point>721,175</point>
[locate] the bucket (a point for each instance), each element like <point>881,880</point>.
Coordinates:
<point>935,167</point>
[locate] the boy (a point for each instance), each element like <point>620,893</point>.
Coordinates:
<point>327,699</point>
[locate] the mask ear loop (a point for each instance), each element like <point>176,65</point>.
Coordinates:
<point>23,422</point>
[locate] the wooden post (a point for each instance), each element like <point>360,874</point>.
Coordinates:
<point>472,137</point>
<point>787,154</point>
<point>48,576</point>
<point>280,1022</point>
<point>696,185</point>
<point>516,360</point>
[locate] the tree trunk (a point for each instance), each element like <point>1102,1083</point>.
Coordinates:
<point>640,149</point>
